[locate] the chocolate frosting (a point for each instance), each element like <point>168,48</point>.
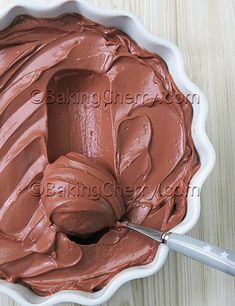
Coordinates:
<point>80,213</point>
<point>81,105</point>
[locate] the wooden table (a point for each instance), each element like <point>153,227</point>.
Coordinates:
<point>204,32</point>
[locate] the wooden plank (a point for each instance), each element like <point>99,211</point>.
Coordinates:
<point>204,31</point>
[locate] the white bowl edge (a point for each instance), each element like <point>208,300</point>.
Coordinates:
<point>131,25</point>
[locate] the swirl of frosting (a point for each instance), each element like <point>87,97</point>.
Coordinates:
<point>79,195</point>
<point>68,84</point>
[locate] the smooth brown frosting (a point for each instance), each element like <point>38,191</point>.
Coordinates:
<point>82,106</point>
<point>78,211</point>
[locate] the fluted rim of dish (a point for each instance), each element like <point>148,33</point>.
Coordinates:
<point>130,24</point>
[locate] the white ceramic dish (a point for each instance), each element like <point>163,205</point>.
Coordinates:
<point>172,56</point>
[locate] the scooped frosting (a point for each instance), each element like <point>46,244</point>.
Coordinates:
<point>78,212</point>
<point>83,107</point>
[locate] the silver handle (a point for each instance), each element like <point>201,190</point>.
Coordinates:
<point>213,256</point>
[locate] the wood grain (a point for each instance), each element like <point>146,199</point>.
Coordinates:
<point>204,31</point>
